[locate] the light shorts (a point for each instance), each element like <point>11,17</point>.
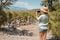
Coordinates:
<point>43,30</point>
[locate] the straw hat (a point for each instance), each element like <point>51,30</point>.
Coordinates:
<point>45,9</point>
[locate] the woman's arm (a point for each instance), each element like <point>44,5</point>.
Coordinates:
<point>36,15</point>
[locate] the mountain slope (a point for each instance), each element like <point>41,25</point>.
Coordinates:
<point>17,8</point>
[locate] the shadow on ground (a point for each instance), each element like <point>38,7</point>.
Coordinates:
<point>55,38</point>
<point>23,32</point>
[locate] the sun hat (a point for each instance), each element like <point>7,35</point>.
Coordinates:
<point>44,9</point>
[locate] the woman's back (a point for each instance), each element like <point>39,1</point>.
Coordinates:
<point>43,20</point>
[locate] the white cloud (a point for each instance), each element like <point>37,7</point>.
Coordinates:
<point>22,4</point>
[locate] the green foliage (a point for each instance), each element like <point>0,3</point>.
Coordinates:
<point>4,3</point>
<point>3,17</point>
<point>55,22</point>
<point>44,3</point>
<point>19,14</point>
<point>51,4</point>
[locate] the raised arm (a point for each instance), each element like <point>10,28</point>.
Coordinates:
<point>36,15</point>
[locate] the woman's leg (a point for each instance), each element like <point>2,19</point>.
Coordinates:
<point>41,35</point>
<point>44,35</point>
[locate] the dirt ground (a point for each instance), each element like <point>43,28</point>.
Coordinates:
<point>31,30</point>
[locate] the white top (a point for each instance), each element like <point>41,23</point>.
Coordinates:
<point>43,21</point>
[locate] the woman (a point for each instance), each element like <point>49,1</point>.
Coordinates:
<point>43,20</point>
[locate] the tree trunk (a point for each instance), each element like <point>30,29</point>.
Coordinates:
<point>50,4</point>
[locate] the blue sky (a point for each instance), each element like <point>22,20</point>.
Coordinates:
<point>29,4</point>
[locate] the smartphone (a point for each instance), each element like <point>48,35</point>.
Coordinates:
<point>38,11</point>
